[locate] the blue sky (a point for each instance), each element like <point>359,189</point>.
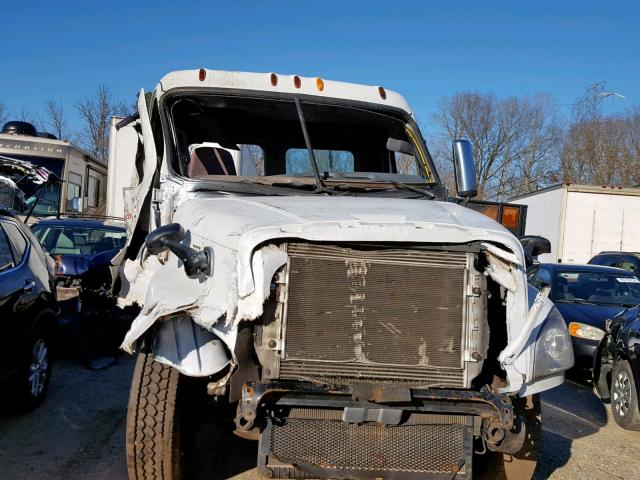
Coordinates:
<point>62,50</point>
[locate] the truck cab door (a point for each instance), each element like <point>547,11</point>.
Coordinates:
<point>137,201</point>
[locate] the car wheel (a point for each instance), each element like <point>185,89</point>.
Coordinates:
<point>33,375</point>
<point>521,465</point>
<point>153,435</point>
<point>624,397</point>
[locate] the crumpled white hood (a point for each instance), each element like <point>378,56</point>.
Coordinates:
<point>243,230</point>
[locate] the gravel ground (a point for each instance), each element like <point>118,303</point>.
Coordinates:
<point>78,433</point>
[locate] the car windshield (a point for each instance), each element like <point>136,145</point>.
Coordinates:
<point>596,287</point>
<point>260,140</point>
<point>75,240</point>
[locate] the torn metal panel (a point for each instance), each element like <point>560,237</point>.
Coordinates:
<point>191,349</point>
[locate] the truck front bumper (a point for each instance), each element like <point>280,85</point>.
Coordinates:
<point>371,431</point>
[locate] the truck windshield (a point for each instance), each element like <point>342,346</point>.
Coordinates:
<point>238,139</point>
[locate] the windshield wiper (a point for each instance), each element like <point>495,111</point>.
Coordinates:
<point>320,186</point>
<point>425,193</point>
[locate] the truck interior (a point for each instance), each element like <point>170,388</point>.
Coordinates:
<point>224,136</point>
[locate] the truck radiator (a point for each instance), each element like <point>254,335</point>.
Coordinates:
<point>376,316</point>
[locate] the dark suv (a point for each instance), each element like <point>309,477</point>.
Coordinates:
<point>627,260</point>
<point>28,313</point>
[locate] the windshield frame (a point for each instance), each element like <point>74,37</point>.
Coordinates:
<point>243,184</point>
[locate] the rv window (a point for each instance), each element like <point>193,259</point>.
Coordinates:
<point>73,190</point>
<point>93,191</point>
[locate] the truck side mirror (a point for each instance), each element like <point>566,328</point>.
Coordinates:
<point>160,239</point>
<point>465,169</point>
<point>169,237</point>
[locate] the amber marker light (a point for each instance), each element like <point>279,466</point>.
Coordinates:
<point>274,80</point>
<point>202,74</point>
<point>319,84</point>
<point>383,93</point>
<point>296,81</point>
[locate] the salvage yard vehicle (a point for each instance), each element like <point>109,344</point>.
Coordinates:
<point>586,296</point>
<point>290,243</point>
<point>28,311</point>
<point>82,249</point>
<point>627,260</point>
<point>616,372</point>
<point>23,149</point>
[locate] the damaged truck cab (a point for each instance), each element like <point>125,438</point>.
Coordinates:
<point>290,244</point>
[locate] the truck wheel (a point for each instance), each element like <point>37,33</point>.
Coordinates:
<point>153,422</point>
<point>624,397</point>
<point>519,466</point>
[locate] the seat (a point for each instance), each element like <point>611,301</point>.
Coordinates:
<point>206,160</point>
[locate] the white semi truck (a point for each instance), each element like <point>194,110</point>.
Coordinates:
<point>581,221</point>
<point>292,248</point>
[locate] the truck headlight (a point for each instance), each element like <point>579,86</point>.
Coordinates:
<point>582,330</point>
<point>553,352</point>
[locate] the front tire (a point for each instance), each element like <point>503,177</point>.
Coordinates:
<point>624,397</point>
<point>153,422</point>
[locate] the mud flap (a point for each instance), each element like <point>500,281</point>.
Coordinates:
<point>601,371</point>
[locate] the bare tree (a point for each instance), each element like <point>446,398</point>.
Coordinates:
<point>515,140</point>
<point>600,149</point>
<point>3,113</point>
<point>25,115</point>
<point>96,111</point>
<point>55,118</point>
<point>257,158</point>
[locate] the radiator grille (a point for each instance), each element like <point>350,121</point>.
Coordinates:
<point>385,315</point>
<point>424,449</point>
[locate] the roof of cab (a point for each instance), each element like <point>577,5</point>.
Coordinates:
<point>315,86</point>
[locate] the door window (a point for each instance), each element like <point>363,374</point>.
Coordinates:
<point>6,257</point>
<point>631,264</point>
<point>93,191</point>
<point>18,240</point>
<point>542,279</point>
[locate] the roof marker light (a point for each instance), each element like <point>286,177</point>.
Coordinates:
<point>319,84</point>
<point>202,74</point>
<point>274,79</point>
<point>383,93</point>
<point>296,81</point>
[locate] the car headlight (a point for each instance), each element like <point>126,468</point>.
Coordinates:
<point>553,352</point>
<point>582,330</point>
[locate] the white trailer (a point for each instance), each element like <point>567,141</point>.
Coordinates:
<point>120,172</point>
<point>583,220</point>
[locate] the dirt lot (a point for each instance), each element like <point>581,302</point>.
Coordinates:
<point>78,433</point>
